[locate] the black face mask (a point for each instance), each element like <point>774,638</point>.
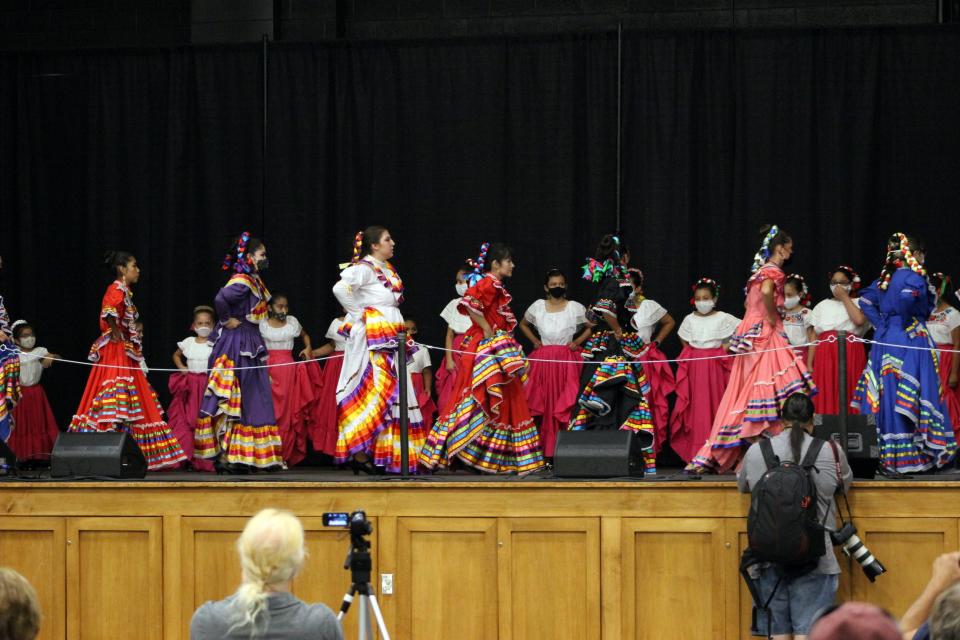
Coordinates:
<point>279,316</point>
<point>557,292</point>
<point>263,264</point>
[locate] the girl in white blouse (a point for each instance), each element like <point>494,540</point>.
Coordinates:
<point>34,426</point>
<point>187,386</point>
<point>841,312</point>
<point>556,327</point>
<point>653,324</point>
<point>290,385</point>
<point>703,371</point>
<point>457,326</point>
<point>796,315</point>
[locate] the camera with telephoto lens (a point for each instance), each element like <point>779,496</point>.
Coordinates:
<point>853,547</point>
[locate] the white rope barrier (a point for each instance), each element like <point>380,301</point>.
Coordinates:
<point>830,339</point>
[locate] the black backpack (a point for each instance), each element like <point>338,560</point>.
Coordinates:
<point>782,526</point>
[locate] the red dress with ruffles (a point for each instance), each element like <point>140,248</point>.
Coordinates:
<point>118,396</point>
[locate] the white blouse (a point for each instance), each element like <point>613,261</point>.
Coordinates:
<point>556,327</point>
<point>831,315</point>
<point>196,353</point>
<point>31,366</point>
<point>454,319</point>
<point>339,342</point>
<point>421,361</point>
<point>708,332</point>
<point>940,324</point>
<point>646,317</point>
<point>280,338</point>
<point>795,324</point>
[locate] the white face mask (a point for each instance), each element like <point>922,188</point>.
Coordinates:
<point>848,287</point>
<point>203,332</point>
<point>791,302</point>
<point>462,288</point>
<point>704,306</point>
<point>28,342</point>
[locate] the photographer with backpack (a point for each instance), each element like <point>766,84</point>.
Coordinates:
<point>790,566</point>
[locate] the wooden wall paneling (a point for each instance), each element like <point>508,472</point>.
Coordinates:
<point>549,575</point>
<point>446,579</point>
<point>114,577</point>
<point>35,547</point>
<point>673,570</point>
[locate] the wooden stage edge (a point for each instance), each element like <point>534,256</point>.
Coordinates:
<point>470,557</point>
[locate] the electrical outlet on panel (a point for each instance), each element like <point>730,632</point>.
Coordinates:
<point>386,584</point>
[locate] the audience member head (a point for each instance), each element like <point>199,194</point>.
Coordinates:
<point>272,553</point>
<point>945,617</point>
<point>19,609</point>
<point>855,621</point>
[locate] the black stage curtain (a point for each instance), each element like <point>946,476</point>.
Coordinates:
<point>840,136</point>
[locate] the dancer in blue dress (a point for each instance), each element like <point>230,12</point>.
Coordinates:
<point>901,383</point>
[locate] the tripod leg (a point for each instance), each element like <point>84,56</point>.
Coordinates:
<point>345,605</point>
<point>381,625</point>
<point>364,631</point>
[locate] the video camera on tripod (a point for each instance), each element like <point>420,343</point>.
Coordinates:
<point>360,565</point>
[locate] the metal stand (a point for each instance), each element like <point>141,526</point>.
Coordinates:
<point>404,418</point>
<point>842,383</point>
<point>360,566</point>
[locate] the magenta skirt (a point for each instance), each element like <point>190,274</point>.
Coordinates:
<point>323,426</point>
<point>187,391</point>
<point>552,389</point>
<point>700,385</point>
<point>446,380</point>
<point>662,384</point>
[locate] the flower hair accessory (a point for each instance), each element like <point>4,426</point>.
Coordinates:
<point>236,259</point>
<point>357,243</point>
<point>476,275</point>
<point>854,276</point>
<point>898,254</point>
<point>763,254</point>
<point>705,283</point>
<point>805,297</point>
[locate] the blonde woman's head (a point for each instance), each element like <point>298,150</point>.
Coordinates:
<point>272,553</point>
<point>19,609</point>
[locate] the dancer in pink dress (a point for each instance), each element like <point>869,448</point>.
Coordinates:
<point>768,370</point>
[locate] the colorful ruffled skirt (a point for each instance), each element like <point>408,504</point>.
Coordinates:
<point>761,380</point>
<point>700,387</point>
<point>614,391</point>
<point>237,423</point>
<point>368,405</point>
<point>489,427</point>
<point>293,400</point>
<point>826,371</point>
<point>552,390</point>
<point>186,391</point>
<point>9,387</point>
<point>662,383</point>
<point>949,395</point>
<point>119,398</point>
<point>36,427</point>
<point>902,388</point>
<point>323,425</point>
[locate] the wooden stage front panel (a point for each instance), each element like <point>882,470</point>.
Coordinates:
<point>494,559</point>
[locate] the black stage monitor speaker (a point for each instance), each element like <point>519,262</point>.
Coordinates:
<point>8,460</point>
<point>597,454</point>
<point>112,455</point>
<point>863,453</point>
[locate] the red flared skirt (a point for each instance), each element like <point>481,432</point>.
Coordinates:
<point>951,397</point>
<point>293,397</point>
<point>700,385</point>
<point>323,426</point>
<point>552,389</point>
<point>186,391</point>
<point>445,379</point>
<point>35,428</point>
<point>826,373</point>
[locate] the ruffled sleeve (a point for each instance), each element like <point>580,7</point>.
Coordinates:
<point>331,333</point>
<point>346,289</point>
<point>649,313</point>
<point>478,297</point>
<point>112,304</point>
<point>729,325</point>
<point>953,319</point>
<point>685,328</point>
<point>184,345</point>
<point>534,312</point>
<point>294,328</point>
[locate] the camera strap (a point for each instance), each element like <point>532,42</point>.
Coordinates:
<point>840,489</point>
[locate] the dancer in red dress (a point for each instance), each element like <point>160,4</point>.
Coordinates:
<point>767,373</point>
<point>118,396</point>
<point>488,426</point>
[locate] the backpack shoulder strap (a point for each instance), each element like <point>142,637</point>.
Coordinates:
<point>769,457</point>
<point>810,460</point>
